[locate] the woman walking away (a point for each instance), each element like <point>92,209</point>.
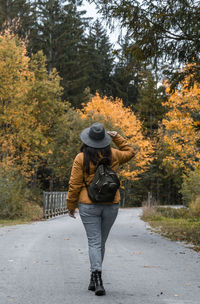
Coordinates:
<point>93,188</point>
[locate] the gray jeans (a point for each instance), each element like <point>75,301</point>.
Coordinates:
<point>97,220</point>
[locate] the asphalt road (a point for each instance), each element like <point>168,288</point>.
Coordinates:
<point>47,262</point>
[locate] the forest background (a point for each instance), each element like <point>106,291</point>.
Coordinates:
<point>59,73</point>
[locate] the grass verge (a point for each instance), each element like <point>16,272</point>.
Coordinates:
<point>10,222</point>
<point>175,224</point>
<point>31,212</point>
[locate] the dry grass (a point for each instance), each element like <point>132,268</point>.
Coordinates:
<point>8,222</point>
<point>195,207</point>
<point>32,212</point>
<point>177,224</point>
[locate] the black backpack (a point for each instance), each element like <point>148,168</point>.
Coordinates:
<point>104,184</point>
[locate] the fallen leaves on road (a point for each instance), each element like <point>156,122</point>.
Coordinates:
<point>149,266</point>
<point>159,294</point>
<point>137,252</point>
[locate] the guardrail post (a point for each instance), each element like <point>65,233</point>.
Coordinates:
<point>54,203</point>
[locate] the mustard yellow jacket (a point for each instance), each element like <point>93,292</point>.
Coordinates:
<point>77,192</point>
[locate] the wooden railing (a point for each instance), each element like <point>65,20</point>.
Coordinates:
<point>54,203</point>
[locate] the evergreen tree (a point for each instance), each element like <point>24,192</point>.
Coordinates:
<point>100,60</point>
<point>60,34</point>
<point>18,15</point>
<point>126,76</point>
<point>71,49</point>
<point>149,104</point>
<point>124,85</point>
<point>49,18</point>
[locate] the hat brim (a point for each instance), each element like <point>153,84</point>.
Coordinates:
<point>95,143</point>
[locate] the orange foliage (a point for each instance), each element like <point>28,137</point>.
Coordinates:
<point>181,132</point>
<point>114,111</point>
<point>24,134</point>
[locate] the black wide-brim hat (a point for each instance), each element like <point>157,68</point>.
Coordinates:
<point>95,136</point>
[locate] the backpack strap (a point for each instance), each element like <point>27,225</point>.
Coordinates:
<point>103,161</point>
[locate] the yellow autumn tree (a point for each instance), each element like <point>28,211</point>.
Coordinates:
<point>124,119</point>
<point>180,132</point>
<point>29,105</point>
<point>14,85</point>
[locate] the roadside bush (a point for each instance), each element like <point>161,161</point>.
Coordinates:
<point>191,186</point>
<point>150,212</point>
<point>13,196</point>
<point>32,211</point>
<point>195,207</point>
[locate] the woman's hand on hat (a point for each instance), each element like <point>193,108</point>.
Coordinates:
<point>71,213</point>
<point>112,133</point>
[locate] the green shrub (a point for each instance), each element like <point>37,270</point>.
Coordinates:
<point>151,213</point>
<point>32,211</point>
<point>195,207</point>
<point>13,195</point>
<point>191,186</point>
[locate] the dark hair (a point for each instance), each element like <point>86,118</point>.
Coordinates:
<point>94,155</point>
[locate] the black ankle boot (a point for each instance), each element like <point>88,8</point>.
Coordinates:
<point>99,289</point>
<point>92,282</point>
